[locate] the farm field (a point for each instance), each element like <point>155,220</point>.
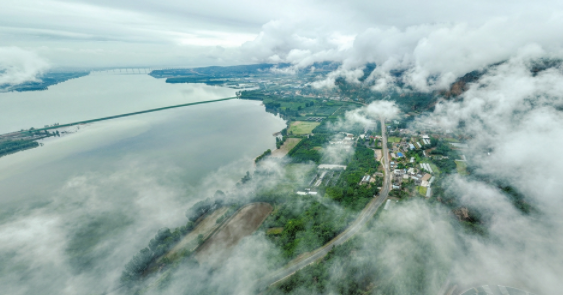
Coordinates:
<point>215,249</point>
<point>204,228</point>
<point>286,147</point>
<point>302,128</point>
<point>421,190</point>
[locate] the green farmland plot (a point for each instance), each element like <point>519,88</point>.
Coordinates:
<point>302,127</point>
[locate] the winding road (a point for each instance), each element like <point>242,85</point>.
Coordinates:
<point>352,230</point>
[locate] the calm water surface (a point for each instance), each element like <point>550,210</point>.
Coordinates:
<point>75,210</point>
<point>97,95</point>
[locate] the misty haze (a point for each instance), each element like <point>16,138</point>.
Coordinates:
<point>281,147</point>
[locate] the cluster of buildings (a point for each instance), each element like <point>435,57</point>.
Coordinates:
<point>420,178</point>
<point>426,167</point>
<point>328,173</point>
<point>346,142</point>
<point>426,139</point>
<point>307,191</point>
<point>405,145</point>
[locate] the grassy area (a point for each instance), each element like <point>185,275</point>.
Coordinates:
<point>290,143</point>
<point>394,139</point>
<point>286,147</point>
<point>461,167</point>
<point>421,190</point>
<point>274,231</point>
<point>302,128</point>
<point>435,168</point>
<point>324,110</point>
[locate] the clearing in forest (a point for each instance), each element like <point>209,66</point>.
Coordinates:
<point>302,127</point>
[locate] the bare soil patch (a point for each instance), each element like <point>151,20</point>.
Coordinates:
<point>378,154</point>
<point>217,248</point>
<point>286,147</point>
<point>205,228</point>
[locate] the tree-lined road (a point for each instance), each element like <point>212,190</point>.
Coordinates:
<point>356,226</point>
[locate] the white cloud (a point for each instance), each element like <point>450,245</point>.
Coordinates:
<point>18,65</point>
<point>514,113</point>
<point>434,45</point>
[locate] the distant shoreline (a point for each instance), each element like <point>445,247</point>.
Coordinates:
<point>10,134</point>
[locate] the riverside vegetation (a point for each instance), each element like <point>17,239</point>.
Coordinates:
<point>303,223</point>
<point>298,224</point>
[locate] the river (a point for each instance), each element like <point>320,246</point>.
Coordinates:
<point>76,209</point>
<point>97,95</point>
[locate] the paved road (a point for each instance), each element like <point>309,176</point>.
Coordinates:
<point>364,217</point>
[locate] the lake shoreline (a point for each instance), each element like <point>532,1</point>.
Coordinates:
<point>42,134</point>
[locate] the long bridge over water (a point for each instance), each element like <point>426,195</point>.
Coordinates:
<point>23,133</point>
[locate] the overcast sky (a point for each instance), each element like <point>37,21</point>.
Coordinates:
<point>437,40</point>
<point>185,33</point>
<point>510,111</point>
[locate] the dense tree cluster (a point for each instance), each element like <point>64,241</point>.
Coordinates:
<point>44,81</point>
<point>348,191</point>
<point>203,207</point>
<point>447,162</point>
<point>307,149</point>
<point>360,266</point>
<point>307,224</point>
<point>162,242</point>
<point>12,146</point>
<point>263,156</point>
<point>165,239</point>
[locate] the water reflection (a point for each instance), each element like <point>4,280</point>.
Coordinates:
<point>97,95</point>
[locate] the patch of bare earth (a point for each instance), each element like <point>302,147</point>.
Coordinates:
<point>218,247</point>
<point>378,154</point>
<point>286,147</point>
<point>205,228</point>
